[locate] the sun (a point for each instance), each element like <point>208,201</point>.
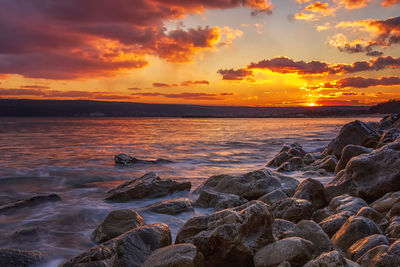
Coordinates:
<point>312,104</point>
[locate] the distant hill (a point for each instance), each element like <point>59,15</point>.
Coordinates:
<point>392,106</point>
<point>87,108</point>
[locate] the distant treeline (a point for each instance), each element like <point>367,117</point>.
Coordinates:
<point>392,106</point>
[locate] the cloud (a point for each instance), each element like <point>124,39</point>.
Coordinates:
<point>134,89</point>
<point>360,82</point>
<point>387,3</point>
<point>191,83</point>
<point>235,75</point>
<point>86,38</point>
<point>164,85</point>
<point>185,95</point>
<point>353,4</point>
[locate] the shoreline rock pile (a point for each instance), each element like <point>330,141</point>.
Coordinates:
<point>266,218</point>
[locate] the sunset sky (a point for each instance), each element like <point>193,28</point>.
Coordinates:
<point>212,52</point>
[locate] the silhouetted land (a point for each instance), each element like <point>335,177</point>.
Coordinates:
<point>392,106</point>
<point>87,108</point>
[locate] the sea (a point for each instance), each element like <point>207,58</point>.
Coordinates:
<point>74,158</point>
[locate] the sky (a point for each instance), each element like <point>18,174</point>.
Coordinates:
<point>209,52</point>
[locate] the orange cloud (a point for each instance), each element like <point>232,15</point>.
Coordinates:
<point>387,3</point>
<point>234,75</point>
<point>353,4</point>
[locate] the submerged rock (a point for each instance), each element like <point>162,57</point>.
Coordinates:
<point>230,236</point>
<point>217,200</point>
<point>116,223</point>
<point>149,185</point>
<point>372,175</point>
<point>125,159</point>
<point>251,185</point>
<point>129,249</point>
<point>30,202</point>
<point>295,250</point>
<point>171,206</point>
<point>19,258</point>
<point>180,255</point>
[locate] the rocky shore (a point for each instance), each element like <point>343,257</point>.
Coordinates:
<point>264,217</point>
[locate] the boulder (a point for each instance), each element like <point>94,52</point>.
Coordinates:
<point>180,255</point>
<point>349,152</point>
<point>124,159</point>
<point>313,191</point>
<point>393,230</point>
<point>354,229</point>
<point>389,136</point>
<point>279,159</point>
<point>311,157</point>
<point>321,214</point>
<point>170,206</point>
<point>116,223</point>
<point>394,211</point>
<point>295,250</point>
<point>382,256</point>
<point>217,200</point>
<point>293,164</point>
<point>251,185</point>
<point>353,133</point>
<point>280,226</point>
<point>149,185</point>
<point>311,231</point>
<point>293,209</point>
<point>330,259</point>
<point>29,203</point>
<point>19,258</point>
<point>273,197</point>
<point>347,203</point>
<point>372,175</point>
<point>371,214</point>
<point>327,164</point>
<point>363,245</point>
<point>332,223</point>
<point>386,202</point>
<point>129,249</point>
<point>231,236</point>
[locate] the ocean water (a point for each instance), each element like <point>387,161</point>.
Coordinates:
<point>73,157</point>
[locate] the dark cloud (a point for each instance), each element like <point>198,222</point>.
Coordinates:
<point>184,95</point>
<point>164,85</point>
<point>235,75</point>
<point>191,83</point>
<point>360,82</point>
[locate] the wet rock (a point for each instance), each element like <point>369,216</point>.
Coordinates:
<point>382,256</point>
<point>387,121</point>
<point>386,202</point>
<point>311,157</point>
<point>375,174</point>
<point>124,159</point>
<point>332,224</point>
<point>313,191</point>
<point>389,136</point>
<point>371,214</point>
<point>29,203</point>
<point>353,133</point>
<point>280,226</point>
<point>311,231</point>
<point>293,164</point>
<point>19,258</point>
<point>347,203</point>
<point>321,214</point>
<point>251,185</point>
<point>217,200</point>
<point>116,223</point>
<point>296,151</point>
<point>393,230</point>
<point>363,245</point>
<point>293,209</point>
<point>29,234</point>
<point>273,197</point>
<point>354,229</point>
<point>279,159</point>
<point>394,211</point>
<point>373,256</point>
<point>171,206</point>
<point>230,236</point>
<point>349,152</point>
<point>130,249</point>
<point>149,185</point>
<point>327,164</point>
<point>180,255</point>
<point>295,250</point>
<point>330,259</point>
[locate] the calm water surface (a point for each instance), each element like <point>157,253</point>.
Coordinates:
<point>73,157</point>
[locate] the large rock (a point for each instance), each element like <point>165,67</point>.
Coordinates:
<point>332,223</point>
<point>313,191</point>
<point>386,202</point>
<point>251,185</point>
<point>116,223</point>
<point>125,159</point>
<point>217,200</point>
<point>354,229</point>
<point>180,255</point>
<point>311,231</point>
<point>330,259</point>
<point>327,164</point>
<point>363,245</point>
<point>149,185</point>
<point>129,249</point>
<point>273,197</point>
<point>30,202</point>
<point>372,175</point>
<point>382,256</point>
<point>280,227</point>
<point>353,133</point>
<point>347,203</point>
<point>231,236</point>
<point>19,258</point>
<point>349,152</point>
<point>293,209</point>
<point>389,136</point>
<point>371,214</point>
<point>293,164</point>
<point>171,206</point>
<point>393,230</point>
<point>295,250</point>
